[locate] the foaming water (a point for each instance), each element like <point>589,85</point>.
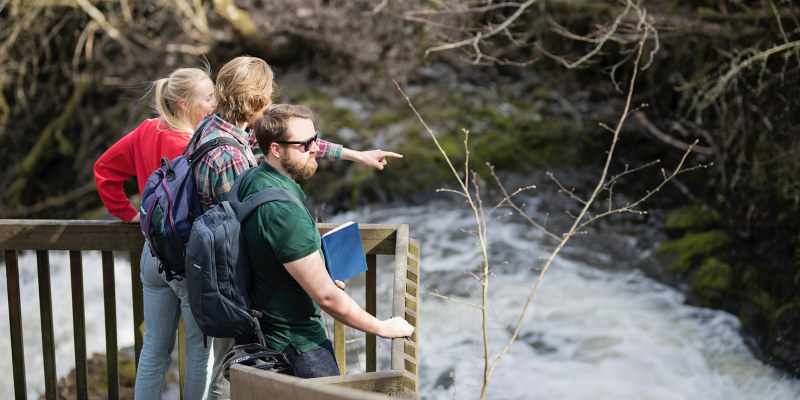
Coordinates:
<point>588,334</point>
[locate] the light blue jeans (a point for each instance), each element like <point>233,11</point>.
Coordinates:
<point>163,303</point>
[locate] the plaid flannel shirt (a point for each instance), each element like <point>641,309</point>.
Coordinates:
<point>215,172</point>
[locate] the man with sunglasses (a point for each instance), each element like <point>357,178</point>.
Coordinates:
<point>283,246</point>
<point>243,89</point>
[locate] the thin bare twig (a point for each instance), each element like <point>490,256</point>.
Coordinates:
<point>642,119</point>
<point>470,42</point>
<point>453,299</point>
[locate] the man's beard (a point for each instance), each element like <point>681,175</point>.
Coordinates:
<point>296,170</point>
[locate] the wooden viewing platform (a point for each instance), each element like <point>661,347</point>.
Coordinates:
<point>107,237</point>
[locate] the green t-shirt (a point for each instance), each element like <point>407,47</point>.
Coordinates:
<point>276,233</point>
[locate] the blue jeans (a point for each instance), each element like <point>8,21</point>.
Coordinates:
<point>163,303</point>
<point>315,363</point>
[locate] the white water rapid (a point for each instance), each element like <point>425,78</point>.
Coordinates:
<point>590,333</point>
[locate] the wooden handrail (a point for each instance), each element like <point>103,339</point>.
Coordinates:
<point>253,384</point>
<point>112,236</point>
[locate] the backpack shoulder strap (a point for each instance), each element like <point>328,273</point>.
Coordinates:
<point>243,209</point>
<point>209,145</point>
<point>196,135</point>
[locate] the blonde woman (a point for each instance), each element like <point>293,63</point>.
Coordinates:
<point>182,100</point>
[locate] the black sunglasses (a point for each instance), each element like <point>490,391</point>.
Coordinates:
<point>306,143</point>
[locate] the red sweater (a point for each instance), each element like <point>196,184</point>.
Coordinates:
<point>137,154</point>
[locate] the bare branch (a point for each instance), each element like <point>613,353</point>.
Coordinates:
<point>454,300</point>
<point>630,208</point>
<point>642,119</point>
<point>471,42</point>
<point>721,84</point>
<point>599,42</point>
<point>451,191</point>
<point>380,6</point>
<point>629,171</point>
<point>101,20</point>
<point>563,189</point>
<point>490,7</point>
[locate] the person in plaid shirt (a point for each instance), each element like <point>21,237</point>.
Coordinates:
<point>243,90</point>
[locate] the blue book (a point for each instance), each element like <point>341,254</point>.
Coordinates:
<point>344,253</point>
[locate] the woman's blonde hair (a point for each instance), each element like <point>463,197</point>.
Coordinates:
<point>169,91</point>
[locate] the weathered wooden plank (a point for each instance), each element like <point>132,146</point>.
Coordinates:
<point>412,276</point>
<point>69,235</point>
<point>411,349</point>
<point>138,305</point>
<point>405,395</point>
<point>413,307</point>
<point>413,255</point>
<point>411,317</point>
<point>249,383</point>
<point>411,289</point>
<point>410,380</point>
<point>414,248</point>
<point>370,297</point>
<point>381,382</point>
<point>79,324</point>
<point>46,318</point>
<point>410,366</point>
<point>15,323</point>
<point>109,298</point>
<point>411,303</point>
<point>339,348</point>
<point>399,291</point>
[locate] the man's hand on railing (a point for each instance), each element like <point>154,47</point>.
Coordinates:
<point>395,328</point>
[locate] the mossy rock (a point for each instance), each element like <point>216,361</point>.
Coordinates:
<point>97,379</point>
<point>690,250</point>
<point>386,116</point>
<point>712,283</point>
<point>758,297</point>
<point>784,338</point>
<point>693,217</point>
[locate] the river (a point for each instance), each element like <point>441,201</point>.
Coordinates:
<point>597,328</point>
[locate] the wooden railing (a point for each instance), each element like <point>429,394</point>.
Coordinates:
<point>108,237</point>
